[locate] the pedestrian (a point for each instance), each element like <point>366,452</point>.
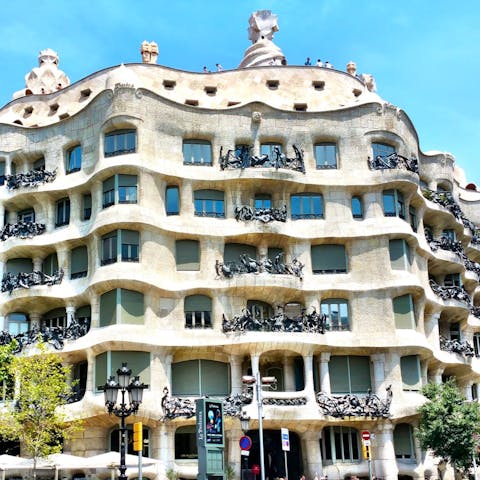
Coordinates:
<point>328,64</point>
<point>319,63</point>
<point>308,62</point>
<point>205,70</point>
<point>219,67</point>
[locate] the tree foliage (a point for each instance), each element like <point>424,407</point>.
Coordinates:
<point>449,424</point>
<point>36,417</point>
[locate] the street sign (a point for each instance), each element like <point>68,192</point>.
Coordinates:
<point>256,469</point>
<point>365,435</point>
<point>285,440</point>
<point>245,443</point>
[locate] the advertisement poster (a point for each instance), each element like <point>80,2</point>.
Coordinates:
<point>214,423</point>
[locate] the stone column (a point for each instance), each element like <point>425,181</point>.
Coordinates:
<point>383,453</point>
<point>95,310</point>
<point>378,361</point>
<point>75,208</point>
<point>288,374</point>
<point>187,207</point>
<point>373,206</point>
<point>436,376</point>
<point>97,197</point>
<point>90,386</point>
<point>467,390</point>
<point>167,367</point>
<point>232,449</point>
<point>424,372</point>
<point>308,375</point>
<point>2,216</point>
<point>63,259</point>
<point>166,444</point>
<point>3,269</point>
<point>432,330</point>
<point>70,309</point>
<point>3,323</point>
<point>34,319</point>
<point>37,263</point>
<point>312,454</point>
<point>236,373</point>
<point>255,364</point>
<point>324,373</point>
<point>95,253</point>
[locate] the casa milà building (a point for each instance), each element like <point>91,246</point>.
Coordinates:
<point>272,218</point>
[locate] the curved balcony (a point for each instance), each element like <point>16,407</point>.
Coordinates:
<point>450,293</point>
<point>31,179</point>
<point>393,161</point>
<point>246,213</point>
<point>12,281</point>
<point>21,230</point>
<point>455,346</point>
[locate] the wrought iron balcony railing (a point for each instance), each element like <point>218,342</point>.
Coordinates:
<point>241,158</point>
<point>350,405</point>
<point>246,213</point>
<point>393,161</point>
<point>265,265</point>
<point>21,230</point>
<point>447,293</point>
<point>55,336</point>
<point>33,178</point>
<point>247,322</point>
<point>12,281</point>
<point>456,346</point>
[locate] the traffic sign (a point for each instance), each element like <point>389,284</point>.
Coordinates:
<point>245,443</point>
<point>365,435</point>
<point>255,469</point>
<point>285,440</point>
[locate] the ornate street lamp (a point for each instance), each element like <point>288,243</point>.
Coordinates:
<point>259,383</point>
<point>135,388</point>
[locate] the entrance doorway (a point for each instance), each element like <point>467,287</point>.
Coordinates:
<point>274,455</point>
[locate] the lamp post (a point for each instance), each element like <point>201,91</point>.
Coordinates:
<point>135,388</point>
<point>260,382</point>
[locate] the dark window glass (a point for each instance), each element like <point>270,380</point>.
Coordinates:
<point>270,149</point>
<point>306,206</point>
<point>172,200</point>
<point>26,215</point>
<point>393,204</point>
<point>74,159</point>
<point>120,142</point>
<point>87,206</point>
<point>357,207</point>
<point>63,212</point>
<point>109,248</point>
<point>382,150</point>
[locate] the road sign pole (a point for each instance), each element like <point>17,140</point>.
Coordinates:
<point>286,465</point>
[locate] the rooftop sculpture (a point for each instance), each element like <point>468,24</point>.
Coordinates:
<point>149,52</point>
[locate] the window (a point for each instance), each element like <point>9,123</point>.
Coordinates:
<point>329,258</point>
<point>306,205</point>
<point>449,233</point>
<point>382,150</point>
<point>56,318</point>
<point>39,164</point>
<point>120,142</point>
<point>27,216</point>
<point>357,207</point>
<point>187,254</point>
<point>404,312</point>
<point>87,206</point>
<point>209,203</point>
<point>186,443</point>
<point>107,363</point>
<point>50,264</point>
<point>336,312</point>
<point>198,311</point>
<point>411,377</point>
<point>403,442</point>
<point>79,262</point>
<point>17,265</point>
<point>452,280</point>
<point>120,306</point>
<point>119,189</point>
<point>17,323</point>
<point>349,374</point>
<point>399,254</point>
<point>200,377</point>
<point>233,251</point>
<point>412,211</point>
<point>476,343</point>
<point>393,204</point>
<point>123,242</point>
<point>74,159</point>
<point>260,310</point>
<point>326,155</point>
<point>2,172</point>
<point>63,212</point>
<point>474,390</point>
<point>115,441</point>
<point>172,200</point>
<point>340,444</point>
<point>197,152</point>
<point>269,149</point>
<point>262,200</point>
<point>455,333</point>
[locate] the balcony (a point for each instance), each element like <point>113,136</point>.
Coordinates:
<point>21,230</point>
<point>241,158</point>
<point>31,179</point>
<point>12,281</point>
<point>456,346</point>
<point>245,213</point>
<point>450,293</point>
<point>393,161</point>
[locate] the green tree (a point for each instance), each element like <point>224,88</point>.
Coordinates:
<point>449,424</point>
<point>36,417</point>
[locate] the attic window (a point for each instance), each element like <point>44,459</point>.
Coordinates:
<point>18,122</point>
<point>357,92</point>
<point>318,84</point>
<point>28,111</point>
<point>193,103</point>
<point>273,84</point>
<point>63,116</point>
<point>300,107</point>
<point>85,93</point>
<point>231,104</point>
<point>54,107</point>
<point>210,90</point>
<point>169,84</point>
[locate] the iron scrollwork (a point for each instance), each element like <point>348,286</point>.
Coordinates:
<point>241,158</point>
<point>280,322</point>
<point>266,215</point>
<point>350,405</point>
<point>393,161</point>
<point>446,293</point>
<point>285,402</point>
<point>21,230</point>
<point>251,265</point>
<point>455,346</point>
<point>12,281</point>
<point>33,178</point>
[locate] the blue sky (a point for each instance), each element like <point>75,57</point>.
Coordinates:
<point>424,54</point>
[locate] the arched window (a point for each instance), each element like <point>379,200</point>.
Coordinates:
<point>382,150</point>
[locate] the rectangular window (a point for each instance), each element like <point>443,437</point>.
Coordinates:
<point>393,204</point>
<point>109,248</point>
<point>455,333</point>
<point>187,254</point>
<point>197,152</point>
<point>349,374</point>
<point>209,203</point>
<point>109,192</point>
<point>127,189</point>
<point>449,234</point>
<point>403,442</point>
<point>120,142</point>
<point>63,212</point>
<point>326,155</point>
<point>340,444</point>
<point>411,373</point>
<point>17,323</point>
<point>476,344</point>
<point>87,206</point>
<point>27,216</point>
<point>382,150</point>
<point>336,313</point>
<point>172,200</point>
<point>306,206</point>
<point>328,259</point>
<point>262,200</point>
<point>74,159</point>
<point>412,211</point>
<point>357,207</point>
<point>130,245</point>
<point>399,254</point>
<point>404,313</point>
<point>452,280</point>
<point>79,262</point>
<point>270,149</point>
